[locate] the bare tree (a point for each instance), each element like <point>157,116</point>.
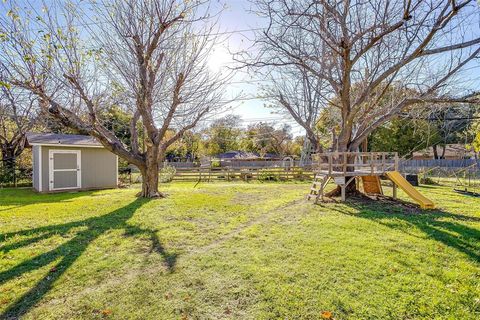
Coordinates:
<point>354,55</point>
<point>150,57</point>
<point>18,114</point>
<point>300,95</point>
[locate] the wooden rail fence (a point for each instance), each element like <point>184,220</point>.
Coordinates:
<point>243,173</point>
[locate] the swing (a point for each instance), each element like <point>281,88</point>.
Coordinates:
<point>469,185</point>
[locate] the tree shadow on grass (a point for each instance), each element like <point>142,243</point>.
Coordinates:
<point>447,228</point>
<point>70,251</point>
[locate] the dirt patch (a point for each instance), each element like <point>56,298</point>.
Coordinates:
<point>249,197</point>
<point>262,218</point>
<point>384,203</point>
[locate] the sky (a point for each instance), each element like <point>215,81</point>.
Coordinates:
<point>237,21</point>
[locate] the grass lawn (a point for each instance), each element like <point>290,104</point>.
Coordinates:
<point>236,251</point>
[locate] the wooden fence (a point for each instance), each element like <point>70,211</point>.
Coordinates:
<point>245,164</point>
<point>243,173</point>
<point>432,163</point>
<point>280,171</point>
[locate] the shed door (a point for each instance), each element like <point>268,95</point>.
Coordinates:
<point>65,169</point>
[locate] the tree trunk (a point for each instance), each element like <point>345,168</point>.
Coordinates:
<point>150,175</point>
<point>8,163</point>
<point>316,146</point>
<point>443,151</point>
<point>435,151</point>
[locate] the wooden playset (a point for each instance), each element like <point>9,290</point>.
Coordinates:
<point>352,167</point>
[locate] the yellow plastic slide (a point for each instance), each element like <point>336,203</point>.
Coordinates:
<point>400,181</point>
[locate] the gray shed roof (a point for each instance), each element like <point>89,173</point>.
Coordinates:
<point>62,139</point>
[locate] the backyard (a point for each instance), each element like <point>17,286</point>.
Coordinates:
<point>237,250</point>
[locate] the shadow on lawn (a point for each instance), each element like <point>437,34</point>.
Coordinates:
<point>70,251</point>
<point>445,227</point>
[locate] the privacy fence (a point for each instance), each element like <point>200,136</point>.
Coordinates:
<point>420,165</point>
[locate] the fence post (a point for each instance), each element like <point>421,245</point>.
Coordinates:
<point>371,162</point>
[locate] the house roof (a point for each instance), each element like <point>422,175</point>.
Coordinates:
<point>244,155</point>
<point>62,139</point>
<point>236,154</point>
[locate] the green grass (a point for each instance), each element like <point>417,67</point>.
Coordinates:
<point>236,251</point>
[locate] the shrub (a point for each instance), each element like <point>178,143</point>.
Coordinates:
<point>167,174</point>
<point>427,180</point>
<point>300,174</point>
<point>270,174</point>
<point>215,163</point>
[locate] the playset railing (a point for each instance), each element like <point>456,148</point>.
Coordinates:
<point>355,163</point>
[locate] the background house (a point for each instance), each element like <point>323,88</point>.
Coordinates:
<point>452,151</point>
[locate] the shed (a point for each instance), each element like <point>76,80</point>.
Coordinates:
<point>66,162</point>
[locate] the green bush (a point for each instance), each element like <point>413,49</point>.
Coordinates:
<point>167,174</point>
<point>300,174</point>
<point>427,180</point>
<point>215,163</point>
<point>423,178</point>
<point>270,174</point>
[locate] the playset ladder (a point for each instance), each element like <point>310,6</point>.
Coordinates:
<point>318,186</point>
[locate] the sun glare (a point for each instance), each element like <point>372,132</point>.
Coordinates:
<point>219,58</point>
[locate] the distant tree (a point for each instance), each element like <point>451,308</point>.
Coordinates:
<point>300,96</point>
<point>187,148</point>
<point>18,115</point>
<point>474,134</point>
<point>452,125</point>
<point>222,135</point>
<point>265,138</point>
<point>476,141</point>
<point>404,136</point>
<point>192,142</point>
<point>296,146</point>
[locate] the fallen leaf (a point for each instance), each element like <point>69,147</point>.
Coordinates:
<point>326,315</point>
<point>106,312</point>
